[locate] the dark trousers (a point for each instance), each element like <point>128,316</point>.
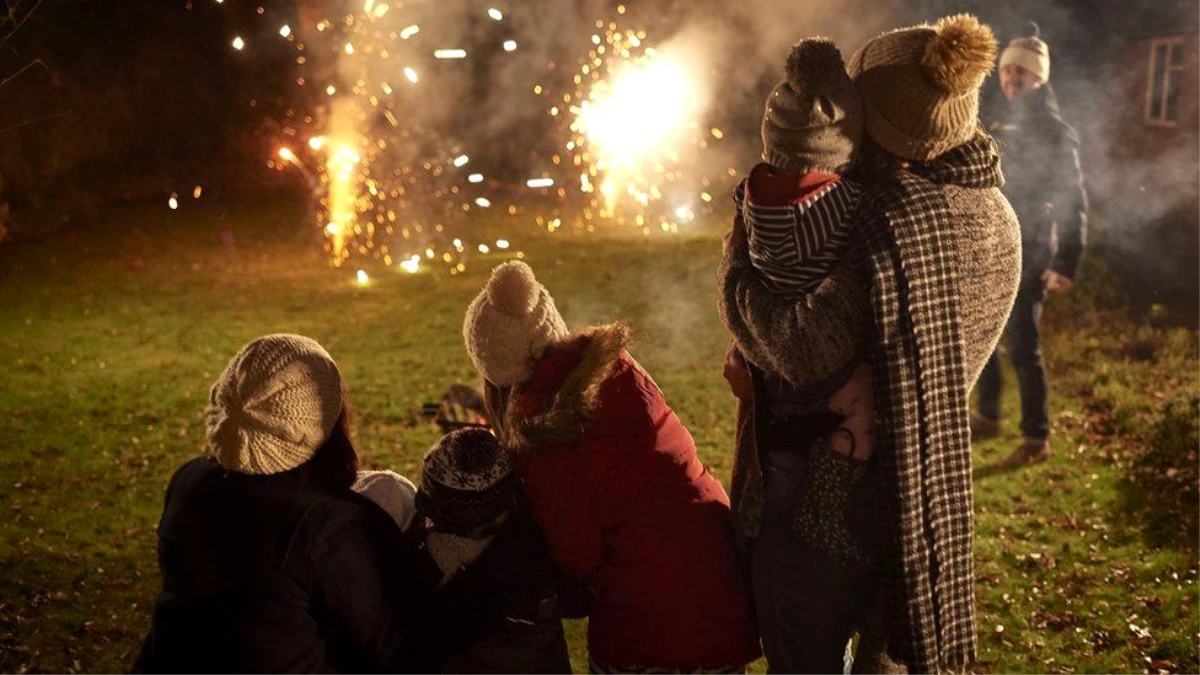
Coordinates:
<point>1024,348</point>
<point>808,602</point>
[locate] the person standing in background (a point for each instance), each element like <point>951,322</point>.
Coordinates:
<point>1044,184</point>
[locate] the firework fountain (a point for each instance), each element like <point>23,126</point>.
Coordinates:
<point>394,178</point>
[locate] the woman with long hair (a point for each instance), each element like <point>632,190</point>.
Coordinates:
<point>614,482</point>
<point>270,561</point>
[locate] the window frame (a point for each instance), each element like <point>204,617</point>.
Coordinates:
<point>1173,44</point>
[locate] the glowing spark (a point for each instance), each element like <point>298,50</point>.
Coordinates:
<point>450,54</point>
<point>495,14</point>
<point>362,278</point>
<point>333,229</point>
<point>483,248</point>
<point>285,30</point>
<point>483,202</point>
<point>287,155</point>
<point>316,142</point>
<point>461,160</point>
<point>429,253</point>
<point>411,265</point>
<point>349,48</point>
<point>239,43</point>
<point>381,10</point>
<point>410,31</point>
<point>502,243</point>
<point>331,90</point>
<point>475,178</point>
<point>510,45</point>
<point>410,74</point>
<point>197,191</point>
<point>539,182</point>
<point>173,202</point>
<point>717,133</point>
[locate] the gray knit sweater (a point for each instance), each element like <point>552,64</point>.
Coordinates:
<point>809,341</point>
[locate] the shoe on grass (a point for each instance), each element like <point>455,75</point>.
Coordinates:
<point>983,427</point>
<point>1031,451</point>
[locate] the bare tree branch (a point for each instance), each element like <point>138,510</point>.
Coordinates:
<point>35,120</point>
<point>24,68</point>
<point>17,24</point>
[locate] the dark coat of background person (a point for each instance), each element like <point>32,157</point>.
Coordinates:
<point>267,574</point>
<point>1044,182</point>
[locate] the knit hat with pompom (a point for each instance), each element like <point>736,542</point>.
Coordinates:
<point>274,406</point>
<point>1030,52</point>
<point>920,85</point>
<point>813,120</point>
<point>509,325</point>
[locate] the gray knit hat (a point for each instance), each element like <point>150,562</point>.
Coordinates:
<point>274,405</point>
<point>813,120</point>
<point>509,325</point>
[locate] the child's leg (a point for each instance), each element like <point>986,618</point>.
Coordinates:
<point>855,402</point>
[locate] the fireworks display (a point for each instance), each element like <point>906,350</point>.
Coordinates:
<point>373,133</point>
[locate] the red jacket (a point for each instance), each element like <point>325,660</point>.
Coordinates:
<point>628,509</point>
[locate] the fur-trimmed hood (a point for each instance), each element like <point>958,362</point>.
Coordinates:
<point>555,407</point>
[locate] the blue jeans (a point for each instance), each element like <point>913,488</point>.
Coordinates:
<point>1024,348</point>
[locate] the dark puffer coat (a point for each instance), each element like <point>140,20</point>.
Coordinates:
<point>266,574</point>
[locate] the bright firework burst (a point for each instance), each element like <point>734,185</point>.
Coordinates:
<point>635,134</point>
<point>395,186</point>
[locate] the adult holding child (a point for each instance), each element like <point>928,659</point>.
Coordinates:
<point>922,296</point>
<point>614,482</point>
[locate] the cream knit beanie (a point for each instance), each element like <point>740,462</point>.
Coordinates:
<point>813,120</point>
<point>920,85</point>
<point>1031,53</point>
<point>274,405</point>
<point>509,325</point>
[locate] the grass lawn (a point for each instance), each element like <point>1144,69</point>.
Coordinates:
<point>111,336</point>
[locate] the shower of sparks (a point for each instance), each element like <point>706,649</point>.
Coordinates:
<point>386,184</point>
<point>633,118</point>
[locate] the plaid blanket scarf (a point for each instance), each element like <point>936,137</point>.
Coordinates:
<point>922,413</point>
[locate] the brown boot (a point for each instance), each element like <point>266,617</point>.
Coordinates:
<point>983,427</point>
<point>1031,451</point>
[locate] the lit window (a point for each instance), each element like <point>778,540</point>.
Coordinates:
<point>1162,86</point>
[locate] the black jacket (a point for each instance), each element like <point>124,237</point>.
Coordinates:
<point>502,613</point>
<point>1044,182</point>
<point>267,574</point>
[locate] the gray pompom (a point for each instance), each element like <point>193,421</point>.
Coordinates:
<point>815,66</point>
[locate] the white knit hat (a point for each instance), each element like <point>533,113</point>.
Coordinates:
<point>394,493</point>
<point>274,405</point>
<point>1031,53</point>
<point>509,325</point>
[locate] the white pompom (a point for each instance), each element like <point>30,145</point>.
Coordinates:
<point>512,289</point>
